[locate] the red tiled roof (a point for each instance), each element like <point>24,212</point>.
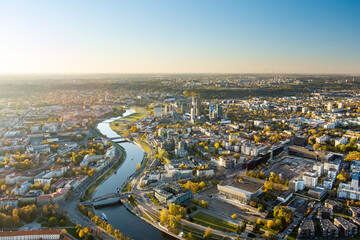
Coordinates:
<point>30,232</point>
<point>44,196</point>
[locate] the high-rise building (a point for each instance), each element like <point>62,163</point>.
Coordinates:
<point>157,111</point>
<point>215,111</point>
<point>192,115</point>
<point>196,104</point>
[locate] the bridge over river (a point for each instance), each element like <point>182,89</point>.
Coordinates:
<point>107,196</point>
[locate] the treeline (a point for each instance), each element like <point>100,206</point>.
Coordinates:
<point>52,216</point>
<point>255,174</point>
<point>11,218</point>
<point>201,203</point>
<point>193,186</point>
<point>283,216</point>
<point>259,204</point>
<point>101,223</point>
<point>171,217</point>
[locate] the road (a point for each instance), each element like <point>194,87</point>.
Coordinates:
<point>71,204</point>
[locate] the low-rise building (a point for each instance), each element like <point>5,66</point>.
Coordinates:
<point>329,183</point>
<point>284,196</point>
<point>56,197</point>
<point>10,201</point>
<point>341,141</point>
<point>334,205</point>
<point>355,211</point>
<point>154,176</point>
<point>243,191</point>
<point>172,193</point>
<point>307,229</point>
<point>356,220</point>
<point>204,172</point>
<point>45,234</point>
<point>30,197</point>
<point>348,191</point>
<point>311,178</point>
<point>322,139</point>
<point>325,213</point>
<point>296,184</point>
<point>329,230</point>
<point>318,192</point>
<point>347,228</point>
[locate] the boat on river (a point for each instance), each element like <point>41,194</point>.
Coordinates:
<point>104,217</point>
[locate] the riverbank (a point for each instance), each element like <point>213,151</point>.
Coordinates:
<point>120,125</point>
<point>145,219</point>
<point>90,190</point>
<point>121,217</point>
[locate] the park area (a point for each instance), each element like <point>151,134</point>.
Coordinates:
<point>207,220</point>
<point>124,125</point>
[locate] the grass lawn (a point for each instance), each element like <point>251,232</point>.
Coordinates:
<point>197,232</point>
<point>207,220</point>
<point>344,214</point>
<point>269,230</point>
<point>72,232</point>
<point>135,116</point>
<point>127,187</point>
<point>120,126</point>
<point>145,146</point>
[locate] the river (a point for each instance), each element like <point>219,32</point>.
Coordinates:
<point>118,215</point>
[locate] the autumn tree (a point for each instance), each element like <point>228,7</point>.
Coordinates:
<point>207,234</point>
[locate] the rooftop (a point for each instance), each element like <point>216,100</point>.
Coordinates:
<point>345,223</point>
<point>247,186</point>
<point>308,225</point>
<point>30,232</point>
<point>326,225</point>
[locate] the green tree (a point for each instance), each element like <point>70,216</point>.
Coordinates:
<point>52,222</point>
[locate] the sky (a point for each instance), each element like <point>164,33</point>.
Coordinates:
<point>179,36</point>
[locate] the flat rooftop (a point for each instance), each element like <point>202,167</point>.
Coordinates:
<point>246,186</point>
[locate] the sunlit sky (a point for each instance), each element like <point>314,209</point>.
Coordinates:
<point>179,36</point>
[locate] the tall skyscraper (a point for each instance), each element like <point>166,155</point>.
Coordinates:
<point>215,111</point>
<point>192,115</point>
<point>196,104</point>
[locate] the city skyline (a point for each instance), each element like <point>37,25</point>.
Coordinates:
<point>179,37</point>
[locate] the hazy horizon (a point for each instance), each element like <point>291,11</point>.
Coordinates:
<point>179,37</point>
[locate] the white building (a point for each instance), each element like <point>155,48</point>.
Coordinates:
<point>329,165</point>
<point>157,111</point>
<point>319,167</point>
<point>154,176</point>
<point>347,191</point>
<point>330,125</point>
<point>297,184</point>
<point>204,172</point>
<point>311,179</point>
<point>341,141</point>
<point>45,234</point>
<point>322,139</point>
